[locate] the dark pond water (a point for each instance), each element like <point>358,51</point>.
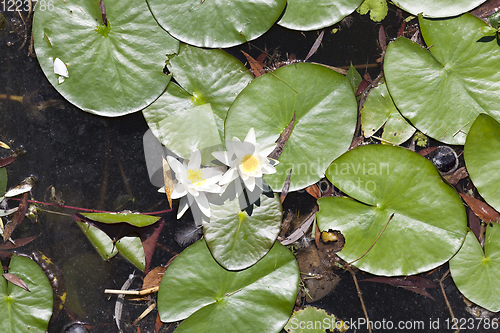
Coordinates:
<point>93,161</point>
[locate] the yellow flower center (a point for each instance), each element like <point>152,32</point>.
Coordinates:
<point>195,176</point>
<point>249,163</point>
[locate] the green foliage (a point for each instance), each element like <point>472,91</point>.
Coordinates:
<point>482,158</point>
<point>180,119</point>
<point>377,8</point>
<point>310,92</point>
<point>379,109</point>
<point>138,220</point>
<point>238,240</point>
<point>214,24</point>
<point>320,14</point>
<point>441,8</point>
<point>111,65</point>
<point>401,191</point>
<point>25,311</point>
<point>211,299</point>
<point>436,89</point>
<point>476,273</point>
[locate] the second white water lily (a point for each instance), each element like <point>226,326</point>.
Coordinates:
<point>193,182</point>
<point>247,160</point>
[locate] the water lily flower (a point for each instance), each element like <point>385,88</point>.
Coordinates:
<point>193,182</point>
<point>247,160</point>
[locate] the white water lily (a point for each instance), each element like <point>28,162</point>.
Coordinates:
<point>247,160</point>
<point>193,182</point>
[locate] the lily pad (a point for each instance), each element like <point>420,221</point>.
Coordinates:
<point>238,240</point>
<point>137,220</point>
<point>325,112</point>
<point>482,158</point>
<point>396,189</point>
<point>130,247</point>
<point>112,70</point>
<point>379,109</point>
<point>305,321</point>
<point>441,8</point>
<point>221,23</point>
<point>476,273</point>
<point>211,299</point>
<point>191,115</point>
<point>377,8</point>
<point>307,15</point>
<point>22,310</point>
<point>442,90</point>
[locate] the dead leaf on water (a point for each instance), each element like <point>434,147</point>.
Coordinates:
<point>14,279</point>
<point>167,178</point>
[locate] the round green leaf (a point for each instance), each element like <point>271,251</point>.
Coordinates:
<point>482,158</point>
<point>427,218</point>
<point>22,310</point>
<point>257,299</point>
<point>325,112</point>
<point>113,70</point>
<point>441,8</point>
<point>137,220</point>
<point>379,109</point>
<point>220,23</point>
<point>442,91</point>
<point>181,118</point>
<point>238,240</point>
<point>476,273</point>
<point>310,15</point>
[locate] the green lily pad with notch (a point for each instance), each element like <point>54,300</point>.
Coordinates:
<point>427,220</point>
<point>237,240</point>
<point>191,115</point>
<point>211,299</point>
<point>442,90</point>
<point>113,70</point>
<point>482,158</point>
<point>22,310</point>
<point>221,23</point>
<point>476,273</point>
<point>437,8</point>
<point>379,109</point>
<point>130,247</point>
<point>307,15</point>
<point>377,8</point>
<point>325,110</point>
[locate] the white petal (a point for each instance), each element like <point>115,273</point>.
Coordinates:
<point>60,68</point>
<point>202,202</point>
<point>179,191</point>
<point>250,183</point>
<point>229,176</point>
<point>175,165</point>
<point>195,160</point>
<point>183,206</point>
<point>222,156</point>
<point>251,136</point>
<point>266,151</point>
<point>268,169</point>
